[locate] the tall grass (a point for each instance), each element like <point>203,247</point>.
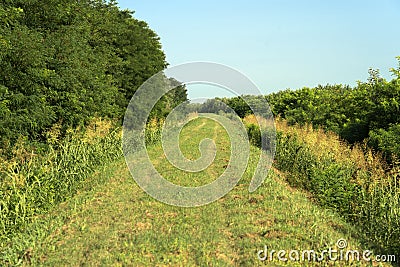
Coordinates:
<point>153,130</point>
<point>32,184</point>
<point>350,179</point>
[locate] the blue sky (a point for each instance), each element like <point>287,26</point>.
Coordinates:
<point>278,44</point>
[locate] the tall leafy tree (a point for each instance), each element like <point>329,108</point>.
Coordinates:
<point>68,61</point>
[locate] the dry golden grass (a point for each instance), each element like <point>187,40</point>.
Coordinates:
<point>250,119</point>
<point>257,120</point>
<point>54,133</point>
<point>97,128</point>
<point>328,144</point>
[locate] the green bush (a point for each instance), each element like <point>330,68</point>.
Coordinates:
<point>388,141</point>
<point>333,187</point>
<point>254,134</point>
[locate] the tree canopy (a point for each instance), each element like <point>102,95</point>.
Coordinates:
<point>67,61</point>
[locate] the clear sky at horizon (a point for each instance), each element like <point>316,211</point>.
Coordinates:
<point>279,44</point>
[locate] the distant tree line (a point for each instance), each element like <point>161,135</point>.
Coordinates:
<point>68,61</point>
<point>368,112</point>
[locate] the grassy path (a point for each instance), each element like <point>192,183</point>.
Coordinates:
<point>115,223</point>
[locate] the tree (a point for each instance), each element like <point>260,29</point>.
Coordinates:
<point>68,61</point>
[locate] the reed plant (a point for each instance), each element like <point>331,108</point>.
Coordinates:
<point>153,130</point>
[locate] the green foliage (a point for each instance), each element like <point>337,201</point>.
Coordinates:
<point>70,61</point>
<point>332,185</point>
<point>300,161</point>
<point>350,112</point>
<point>62,63</point>
<point>238,105</point>
<point>254,133</point>
<point>387,141</point>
